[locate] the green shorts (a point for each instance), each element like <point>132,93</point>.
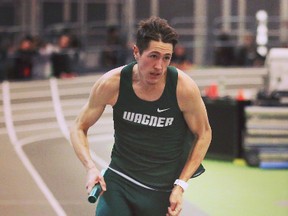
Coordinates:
<point>128,199</point>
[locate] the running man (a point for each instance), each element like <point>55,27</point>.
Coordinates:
<point>156,109</point>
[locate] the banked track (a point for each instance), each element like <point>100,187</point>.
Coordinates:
<point>34,121</point>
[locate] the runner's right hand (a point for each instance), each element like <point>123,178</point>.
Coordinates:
<point>93,177</point>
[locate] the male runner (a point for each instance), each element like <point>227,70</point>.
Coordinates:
<point>156,108</point>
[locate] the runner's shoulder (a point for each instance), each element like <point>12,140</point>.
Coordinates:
<point>110,78</point>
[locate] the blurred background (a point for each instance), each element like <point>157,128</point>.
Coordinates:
<point>52,52</point>
<point>101,32</point>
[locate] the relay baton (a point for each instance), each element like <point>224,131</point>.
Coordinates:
<point>96,190</point>
<point>94,194</point>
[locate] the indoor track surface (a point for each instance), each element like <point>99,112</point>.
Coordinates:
<point>41,176</point>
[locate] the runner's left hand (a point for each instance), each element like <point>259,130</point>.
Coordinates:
<point>176,199</point>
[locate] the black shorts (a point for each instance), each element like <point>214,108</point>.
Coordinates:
<point>128,199</point>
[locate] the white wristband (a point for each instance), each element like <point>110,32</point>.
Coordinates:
<point>181,183</point>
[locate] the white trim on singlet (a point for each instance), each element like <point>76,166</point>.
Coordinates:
<point>131,179</point>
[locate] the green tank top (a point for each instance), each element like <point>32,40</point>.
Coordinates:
<point>150,136</point>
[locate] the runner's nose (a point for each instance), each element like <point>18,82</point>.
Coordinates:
<point>159,64</point>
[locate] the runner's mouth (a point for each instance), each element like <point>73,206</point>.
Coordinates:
<point>155,74</point>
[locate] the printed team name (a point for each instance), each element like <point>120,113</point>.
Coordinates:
<point>145,119</point>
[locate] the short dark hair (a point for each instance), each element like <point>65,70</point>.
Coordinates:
<point>157,29</point>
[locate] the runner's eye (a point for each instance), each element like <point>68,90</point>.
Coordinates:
<point>153,56</point>
<point>167,58</point>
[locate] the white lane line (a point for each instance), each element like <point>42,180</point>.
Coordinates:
<point>62,123</point>
<point>7,113</point>
<point>58,109</point>
<point>21,154</point>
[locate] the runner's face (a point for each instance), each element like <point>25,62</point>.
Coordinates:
<point>153,62</point>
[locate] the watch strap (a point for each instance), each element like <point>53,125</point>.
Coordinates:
<point>181,183</point>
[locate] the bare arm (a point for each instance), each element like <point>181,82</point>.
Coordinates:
<point>195,115</point>
<point>104,92</point>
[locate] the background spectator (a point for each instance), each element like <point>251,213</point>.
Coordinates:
<point>23,59</point>
<point>113,54</point>
<point>42,67</point>
<point>180,59</point>
<point>224,51</point>
<point>64,57</point>
<point>4,44</point>
<point>247,55</point>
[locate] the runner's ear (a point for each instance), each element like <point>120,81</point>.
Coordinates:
<point>136,52</point>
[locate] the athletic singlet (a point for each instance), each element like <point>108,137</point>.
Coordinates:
<point>150,136</point>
